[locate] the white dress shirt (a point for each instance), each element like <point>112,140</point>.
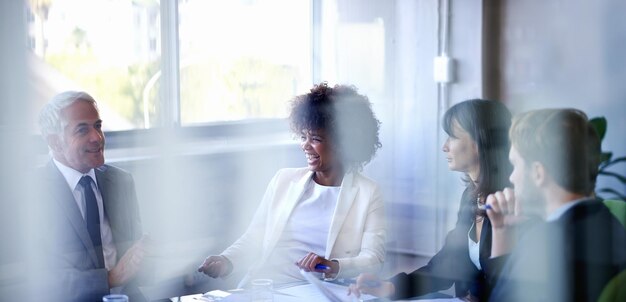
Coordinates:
<point>73,177</point>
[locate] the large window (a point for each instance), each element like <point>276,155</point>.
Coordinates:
<point>236,59</point>
<point>217,63</point>
<point>242,59</point>
<point>108,48</point>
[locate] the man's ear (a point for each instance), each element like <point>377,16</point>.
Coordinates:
<point>538,174</point>
<point>54,142</point>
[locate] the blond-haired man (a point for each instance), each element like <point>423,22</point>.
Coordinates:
<point>581,246</point>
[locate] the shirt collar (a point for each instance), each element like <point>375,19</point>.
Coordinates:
<point>72,177</point>
<point>564,208</point>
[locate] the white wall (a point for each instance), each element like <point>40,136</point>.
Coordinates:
<point>568,54</point>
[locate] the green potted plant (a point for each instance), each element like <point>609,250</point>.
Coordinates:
<point>607,161</point>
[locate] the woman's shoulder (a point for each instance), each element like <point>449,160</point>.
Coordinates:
<point>362,180</point>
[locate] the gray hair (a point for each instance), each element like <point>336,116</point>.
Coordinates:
<point>50,120</point>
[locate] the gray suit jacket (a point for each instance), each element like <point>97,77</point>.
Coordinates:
<point>70,264</point>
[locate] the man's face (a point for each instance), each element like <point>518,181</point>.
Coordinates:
<point>526,191</point>
<point>82,146</point>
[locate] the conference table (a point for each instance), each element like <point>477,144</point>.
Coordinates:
<point>292,293</point>
<point>331,292</point>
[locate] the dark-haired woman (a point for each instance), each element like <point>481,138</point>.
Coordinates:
<point>477,146</point>
<point>326,217</point>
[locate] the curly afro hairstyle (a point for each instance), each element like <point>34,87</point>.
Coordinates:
<point>347,118</point>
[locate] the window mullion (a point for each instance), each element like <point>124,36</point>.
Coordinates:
<point>169,112</point>
<point>316,40</point>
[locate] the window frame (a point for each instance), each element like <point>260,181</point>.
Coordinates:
<point>218,133</point>
<point>170,100</point>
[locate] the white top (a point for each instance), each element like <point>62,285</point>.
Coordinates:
<point>356,236</point>
<point>73,177</point>
<point>306,231</point>
<point>474,248</point>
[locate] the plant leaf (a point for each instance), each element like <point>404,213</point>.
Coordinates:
<point>599,123</point>
<point>605,159</point>
<point>612,162</point>
<point>615,193</point>
<point>613,174</point>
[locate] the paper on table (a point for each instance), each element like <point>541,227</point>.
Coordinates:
<point>330,291</point>
<point>214,295</point>
<point>317,290</point>
<point>434,300</point>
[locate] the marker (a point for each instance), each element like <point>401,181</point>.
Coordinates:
<point>484,207</point>
<point>322,267</point>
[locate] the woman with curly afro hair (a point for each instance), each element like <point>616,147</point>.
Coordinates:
<point>325,218</point>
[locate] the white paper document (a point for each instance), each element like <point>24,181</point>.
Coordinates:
<point>326,291</point>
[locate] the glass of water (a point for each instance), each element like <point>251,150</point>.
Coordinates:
<point>262,290</point>
<point>115,298</point>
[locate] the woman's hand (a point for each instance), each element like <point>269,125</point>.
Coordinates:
<point>215,266</point>
<point>504,211</point>
<point>309,262</point>
<point>370,284</point>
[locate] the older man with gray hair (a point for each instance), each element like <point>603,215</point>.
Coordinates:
<point>93,239</point>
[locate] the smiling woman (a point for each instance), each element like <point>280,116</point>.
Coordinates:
<point>319,151</point>
<point>339,121</point>
<point>327,217</point>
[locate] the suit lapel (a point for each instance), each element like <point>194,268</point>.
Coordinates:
<point>65,199</point>
<point>104,186</point>
<point>344,203</point>
<point>294,193</point>
<point>485,241</point>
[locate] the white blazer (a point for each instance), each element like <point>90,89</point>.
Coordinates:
<point>356,238</point>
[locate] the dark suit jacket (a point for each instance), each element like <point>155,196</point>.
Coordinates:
<point>70,267</point>
<point>569,259</point>
<point>452,264</point>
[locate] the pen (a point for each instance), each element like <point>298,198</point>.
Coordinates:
<point>484,207</point>
<point>320,266</point>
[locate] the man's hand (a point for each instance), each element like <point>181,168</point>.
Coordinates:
<point>504,212</point>
<point>367,283</point>
<point>215,266</point>
<point>129,264</point>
